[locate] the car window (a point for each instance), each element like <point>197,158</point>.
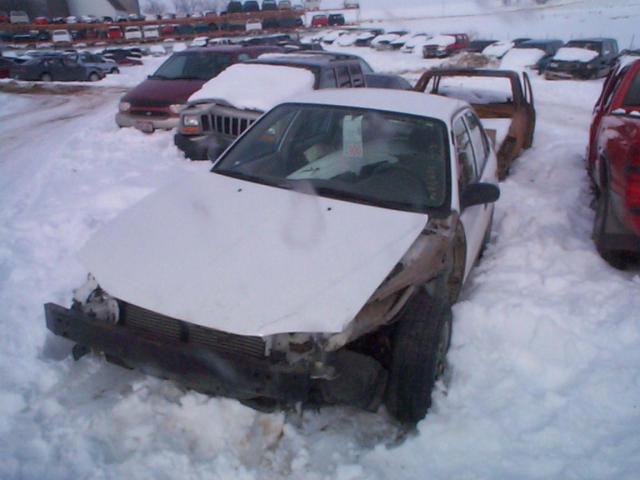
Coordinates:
<point>366,156</point>
<point>357,78</point>
<point>342,76</point>
<point>613,88</point>
<point>478,140</point>
<point>632,98</point>
<point>464,152</point>
<point>327,78</point>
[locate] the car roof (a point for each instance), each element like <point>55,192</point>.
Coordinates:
<point>306,58</point>
<point>237,48</point>
<point>401,101</point>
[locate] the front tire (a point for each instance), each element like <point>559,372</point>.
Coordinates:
<point>613,257</point>
<point>420,344</point>
<point>94,77</point>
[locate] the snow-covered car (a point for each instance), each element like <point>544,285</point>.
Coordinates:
<point>150,32</point>
<point>502,99</point>
<point>332,35</point>
<point>316,263</point>
<point>253,25</point>
<point>531,54</point>
<point>199,42</point>
<point>401,41</point>
<point>132,33</point>
<point>228,104</point>
<point>585,58</point>
<point>441,46</point>
<point>384,41</point>
<point>348,39</point>
<point>498,49</point>
<point>18,16</point>
<point>61,37</point>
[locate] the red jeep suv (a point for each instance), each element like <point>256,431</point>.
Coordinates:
<point>157,101</point>
<point>613,163</point>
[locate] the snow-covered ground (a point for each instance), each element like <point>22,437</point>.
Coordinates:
<point>545,360</point>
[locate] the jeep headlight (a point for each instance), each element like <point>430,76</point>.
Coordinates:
<point>124,106</point>
<point>175,108</point>
<point>191,120</point>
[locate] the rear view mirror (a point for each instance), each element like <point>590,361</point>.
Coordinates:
<point>478,194</point>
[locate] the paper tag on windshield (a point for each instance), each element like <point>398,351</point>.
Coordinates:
<point>352,136</point>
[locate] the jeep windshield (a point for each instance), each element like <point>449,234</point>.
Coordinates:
<point>379,158</point>
<point>192,66</point>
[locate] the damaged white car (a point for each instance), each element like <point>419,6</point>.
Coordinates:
<point>316,263</point>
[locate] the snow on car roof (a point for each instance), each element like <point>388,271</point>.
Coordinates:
<point>412,103</point>
<point>575,54</point>
<point>256,86</point>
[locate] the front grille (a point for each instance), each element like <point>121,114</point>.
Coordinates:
<point>227,122</point>
<point>167,329</point>
<point>149,113</point>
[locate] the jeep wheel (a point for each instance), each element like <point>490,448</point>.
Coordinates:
<point>46,77</point>
<point>94,77</point>
<point>613,257</point>
<point>420,344</point>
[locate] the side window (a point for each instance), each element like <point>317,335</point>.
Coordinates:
<point>478,140</point>
<point>327,78</point>
<point>366,68</point>
<point>464,153</point>
<point>357,78</point>
<point>632,98</point>
<point>613,88</point>
<point>342,77</point>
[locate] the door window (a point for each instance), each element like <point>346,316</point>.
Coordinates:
<point>464,152</point>
<point>342,77</point>
<point>478,140</point>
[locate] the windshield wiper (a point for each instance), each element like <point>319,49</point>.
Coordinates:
<point>273,182</point>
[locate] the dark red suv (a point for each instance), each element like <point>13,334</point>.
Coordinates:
<point>613,163</point>
<point>157,101</point>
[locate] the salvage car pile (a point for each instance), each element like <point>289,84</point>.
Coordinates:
<point>350,217</point>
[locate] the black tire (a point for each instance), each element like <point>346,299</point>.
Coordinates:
<point>613,257</point>
<point>420,344</point>
<point>115,70</point>
<point>46,77</point>
<point>94,77</point>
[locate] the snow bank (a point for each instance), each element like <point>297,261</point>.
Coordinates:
<point>572,54</point>
<point>256,87</point>
<point>521,58</point>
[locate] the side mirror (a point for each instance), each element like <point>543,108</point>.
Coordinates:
<point>478,194</point>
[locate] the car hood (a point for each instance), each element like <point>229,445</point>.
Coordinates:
<point>248,258</point>
<point>163,91</point>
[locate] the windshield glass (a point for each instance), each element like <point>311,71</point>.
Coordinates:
<point>192,65</point>
<point>380,158</point>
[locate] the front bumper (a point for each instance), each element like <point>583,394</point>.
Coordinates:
<point>145,123</point>
<point>200,147</point>
<point>359,381</point>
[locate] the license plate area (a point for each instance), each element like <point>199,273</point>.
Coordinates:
<point>146,127</point>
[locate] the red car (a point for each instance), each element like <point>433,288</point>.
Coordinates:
<point>613,163</point>
<point>445,45</point>
<point>156,102</point>
<point>115,33</point>
<point>320,21</point>
<point>41,21</point>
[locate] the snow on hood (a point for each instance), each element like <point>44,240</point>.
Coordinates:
<point>521,58</point>
<point>256,86</point>
<point>247,258</point>
<point>441,40</point>
<point>573,54</point>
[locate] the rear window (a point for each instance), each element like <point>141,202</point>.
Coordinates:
<point>632,99</point>
<point>193,65</point>
<point>474,90</point>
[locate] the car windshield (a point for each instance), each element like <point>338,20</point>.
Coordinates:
<point>192,65</point>
<point>379,158</point>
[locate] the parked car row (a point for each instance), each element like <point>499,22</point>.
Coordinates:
<point>581,58</point>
